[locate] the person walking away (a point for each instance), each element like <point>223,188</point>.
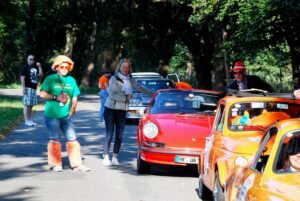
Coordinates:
<point>61,91</point>
<point>30,75</point>
<point>117,103</point>
<point>103,85</point>
<point>243,81</point>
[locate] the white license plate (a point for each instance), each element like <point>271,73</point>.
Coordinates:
<point>187,159</point>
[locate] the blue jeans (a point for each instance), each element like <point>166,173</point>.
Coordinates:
<point>60,126</point>
<point>103,96</point>
<point>114,119</point>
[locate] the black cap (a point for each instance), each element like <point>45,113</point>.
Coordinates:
<point>293,146</point>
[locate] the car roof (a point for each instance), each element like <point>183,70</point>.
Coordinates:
<point>219,93</point>
<point>257,95</point>
<point>145,74</point>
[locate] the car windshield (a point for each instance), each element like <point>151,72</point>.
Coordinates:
<point>260,115</point>
<point>155,85</point>
<point>184,102</point>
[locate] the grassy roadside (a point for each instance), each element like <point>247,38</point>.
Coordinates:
<point>11,110</point>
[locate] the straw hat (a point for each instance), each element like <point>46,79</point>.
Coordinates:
<point>62,59</point>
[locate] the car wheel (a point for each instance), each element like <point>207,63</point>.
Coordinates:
<point>218,190</point>
<point>203,191</point>
<point>142,166</point>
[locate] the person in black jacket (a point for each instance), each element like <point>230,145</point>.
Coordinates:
<point>243,81</point>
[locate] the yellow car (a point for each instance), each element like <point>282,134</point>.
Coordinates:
<point>239,126</point>
<point>274,172</point>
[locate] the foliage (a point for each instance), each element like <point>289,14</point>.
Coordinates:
<point>97,33</point>
<point>270,65</point>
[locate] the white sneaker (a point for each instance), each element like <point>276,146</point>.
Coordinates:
<point>57,168</point>
<point>82,168</point>
<point>114,160</point>
<point>106,160</point>
<point>33,123</point>
<point>29,123</point>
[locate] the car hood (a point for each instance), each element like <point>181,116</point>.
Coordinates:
<point>183,131</point>
<point>242,144</point>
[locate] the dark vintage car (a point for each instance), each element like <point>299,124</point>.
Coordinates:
<point>140,101</point>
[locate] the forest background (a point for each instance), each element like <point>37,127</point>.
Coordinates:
<point>198,39</point>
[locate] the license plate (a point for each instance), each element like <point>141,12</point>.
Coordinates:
<point>132,111</point>
<point>187,159</point>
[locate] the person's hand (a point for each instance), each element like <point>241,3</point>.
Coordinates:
<point>128,97</point>
<point>63,98</point>
<point>72,112</point>
<point>38,64</point>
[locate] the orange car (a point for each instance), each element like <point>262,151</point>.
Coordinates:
<point>274,172</point>
<point>239,125</point>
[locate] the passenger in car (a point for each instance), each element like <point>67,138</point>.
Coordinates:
<point>293,153</point>
<point>243,81</point>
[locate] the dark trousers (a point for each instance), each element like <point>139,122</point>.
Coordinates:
<point>114,119</point>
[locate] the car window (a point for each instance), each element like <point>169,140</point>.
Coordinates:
<point>219,120</point>
<point>184,102</point>
<point>288,147</point>
<point>260,115</point>
<point>262,156</point>
<point>156,85</point>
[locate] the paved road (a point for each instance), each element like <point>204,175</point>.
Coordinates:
<point>24,177</point>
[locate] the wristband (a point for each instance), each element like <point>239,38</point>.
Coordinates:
<point>54,98</point>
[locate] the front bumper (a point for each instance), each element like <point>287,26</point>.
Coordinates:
<point>170,156</point>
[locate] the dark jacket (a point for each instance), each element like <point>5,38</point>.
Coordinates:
<point>253,81</point>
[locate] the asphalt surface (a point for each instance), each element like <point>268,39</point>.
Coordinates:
<point>24,175</point>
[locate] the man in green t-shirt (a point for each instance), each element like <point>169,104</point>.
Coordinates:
<point>60,91</point>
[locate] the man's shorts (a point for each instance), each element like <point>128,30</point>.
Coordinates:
<point>59,127</point>
<point>30,98</point>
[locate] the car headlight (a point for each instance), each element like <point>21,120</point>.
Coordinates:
<point>150,130</point>
<point>241,161</point>
<point>135,102</point>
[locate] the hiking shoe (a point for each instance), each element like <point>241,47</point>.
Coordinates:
<point>106,160</point>
<point>114,161</point>
<point>57,168</point>
<point>82,168</point>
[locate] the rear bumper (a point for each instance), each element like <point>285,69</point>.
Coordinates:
<point>134,112</point>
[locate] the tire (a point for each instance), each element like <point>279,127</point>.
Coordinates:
<point>142,166</point>
<point>203,191</point>
<point>218,190</point>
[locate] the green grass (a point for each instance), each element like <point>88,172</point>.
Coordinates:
<point>11,110</point>
<point>10,86</point>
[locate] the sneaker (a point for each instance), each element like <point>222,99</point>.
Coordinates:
<point>106,160</point>
<point>29,123</point>
<point>114,161</point>
<point>57,168</point>
<point>82,168</point>
<point>33,123</point>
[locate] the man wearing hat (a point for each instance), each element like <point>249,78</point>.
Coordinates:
<point>243,81</point>
<point>60,91</point>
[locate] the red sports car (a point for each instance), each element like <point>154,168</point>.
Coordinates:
<point>174,127</point>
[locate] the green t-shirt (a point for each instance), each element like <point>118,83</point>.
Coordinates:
<point>54,84</point>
